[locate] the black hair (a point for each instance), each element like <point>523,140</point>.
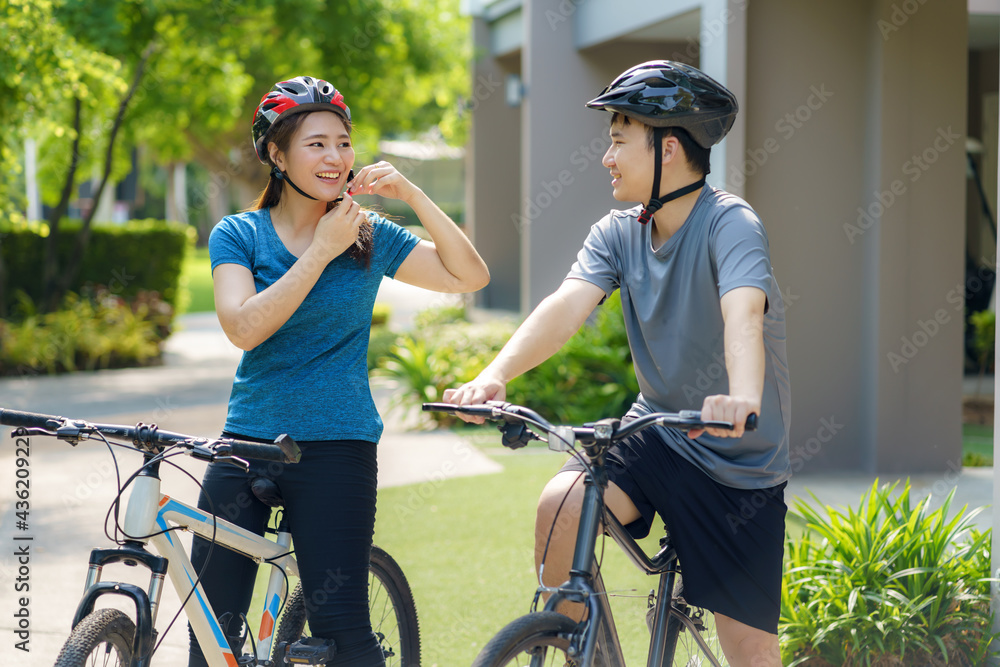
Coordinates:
<point>698,158</point>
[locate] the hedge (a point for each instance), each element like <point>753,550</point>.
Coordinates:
<point>137,256</point>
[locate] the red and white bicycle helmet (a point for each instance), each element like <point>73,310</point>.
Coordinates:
<point>303,93</point>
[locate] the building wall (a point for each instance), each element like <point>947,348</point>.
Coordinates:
<point>853,154</point>
<point>866,245</point>
<point>565,188</point>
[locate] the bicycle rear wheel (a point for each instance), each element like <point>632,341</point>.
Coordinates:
<point>103,637</point>
<point>390,605</point>
<point>538,639</point>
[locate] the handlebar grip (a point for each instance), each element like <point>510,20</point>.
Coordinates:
<point>751,424</point>
<point>27,419</point>
<point>453,409</point>
<point>263,452</point>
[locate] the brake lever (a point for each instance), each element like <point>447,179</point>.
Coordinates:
<point>26,431</point>
<point>242,464</point>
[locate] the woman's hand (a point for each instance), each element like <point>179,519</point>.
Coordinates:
<point>338,229</point>
<point>384,180</point>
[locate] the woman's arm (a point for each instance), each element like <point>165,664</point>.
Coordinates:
<point>248,317</point>
<point>449,263</point>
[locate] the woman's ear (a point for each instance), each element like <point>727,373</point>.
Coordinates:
<point>277,158</point>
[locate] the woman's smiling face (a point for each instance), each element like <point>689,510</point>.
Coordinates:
<point>319,156</point>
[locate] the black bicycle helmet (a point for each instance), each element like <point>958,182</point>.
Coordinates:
<point>662,94</point>
<point>298,95</point>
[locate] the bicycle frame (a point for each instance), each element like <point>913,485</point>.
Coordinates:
<point>149,511</point>
<point>586,586</point>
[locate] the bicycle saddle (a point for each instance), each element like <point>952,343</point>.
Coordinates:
<point>267,491</point>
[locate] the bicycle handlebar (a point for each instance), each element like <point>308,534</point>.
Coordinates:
<point>148,437</point>
<point>606,430</point>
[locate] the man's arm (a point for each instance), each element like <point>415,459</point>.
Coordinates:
<point>743,314</point>
<point>540,336</point>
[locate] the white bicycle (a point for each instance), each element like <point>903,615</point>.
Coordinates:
<point>110,637</point>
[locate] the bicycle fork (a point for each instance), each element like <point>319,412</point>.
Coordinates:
<point>131,553</point>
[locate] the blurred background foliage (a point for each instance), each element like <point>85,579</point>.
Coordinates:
<point>200,68</point>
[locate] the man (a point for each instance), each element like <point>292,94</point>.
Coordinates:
<point>705,323</point>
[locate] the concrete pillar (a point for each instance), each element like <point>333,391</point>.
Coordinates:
<point>722,48</point>
<point>866,245</point>
<point>493,177</point>
<point>564,188</point>
<point>920,184</point>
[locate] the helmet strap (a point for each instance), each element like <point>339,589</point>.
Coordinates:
<point>656,202</point>
<point>281,176</point>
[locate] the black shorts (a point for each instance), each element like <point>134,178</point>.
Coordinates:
<point>730,541</point>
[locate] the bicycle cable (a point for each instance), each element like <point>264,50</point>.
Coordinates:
<point>163,457</point>
<point>589,472</point>
<point>208,556</point>
<point>272,562</point>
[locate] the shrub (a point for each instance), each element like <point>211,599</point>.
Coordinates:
<point>381,340</point>
<point>889,584</point>
<point>127,259</point>
<point>984,337</point>
<point>90,332</point>
<point>591,377</point>
<point>426,362</point>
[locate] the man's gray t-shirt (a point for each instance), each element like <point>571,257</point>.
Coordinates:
<point>673,316</point>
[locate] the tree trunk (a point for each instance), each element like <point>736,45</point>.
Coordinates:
<point>83,238</point>
<point>50,265</point>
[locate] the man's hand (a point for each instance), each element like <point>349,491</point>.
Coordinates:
<point>483,388</point>
<point>734,409</point>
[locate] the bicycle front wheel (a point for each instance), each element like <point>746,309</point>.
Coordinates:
<point>538,639</point>
<point>390,605</point>
<point>103,637</point>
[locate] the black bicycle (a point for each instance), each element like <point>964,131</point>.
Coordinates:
<point>102,636</point>
<point>680,633</point>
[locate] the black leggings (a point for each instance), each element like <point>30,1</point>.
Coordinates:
<point>330,499</point>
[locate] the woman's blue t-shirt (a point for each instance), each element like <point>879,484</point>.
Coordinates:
<point>310,378</point>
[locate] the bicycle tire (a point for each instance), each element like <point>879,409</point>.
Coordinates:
<point>390,604</point>
<point>107,628</point>
<point>533,635</point>
<point>680,643</point>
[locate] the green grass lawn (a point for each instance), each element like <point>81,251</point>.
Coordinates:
<point>467,548</point>
<point>978,439</point>
<point>196,280</point>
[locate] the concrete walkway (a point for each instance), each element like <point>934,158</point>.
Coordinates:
<point>72,488</point>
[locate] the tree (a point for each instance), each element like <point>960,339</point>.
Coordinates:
<point>182,77</point>
<point>44,74</point>
<point>401,64</point>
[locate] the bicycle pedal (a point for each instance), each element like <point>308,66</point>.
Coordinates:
<point>306,651</point>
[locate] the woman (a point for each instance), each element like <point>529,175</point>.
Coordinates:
<point>295,281</point>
